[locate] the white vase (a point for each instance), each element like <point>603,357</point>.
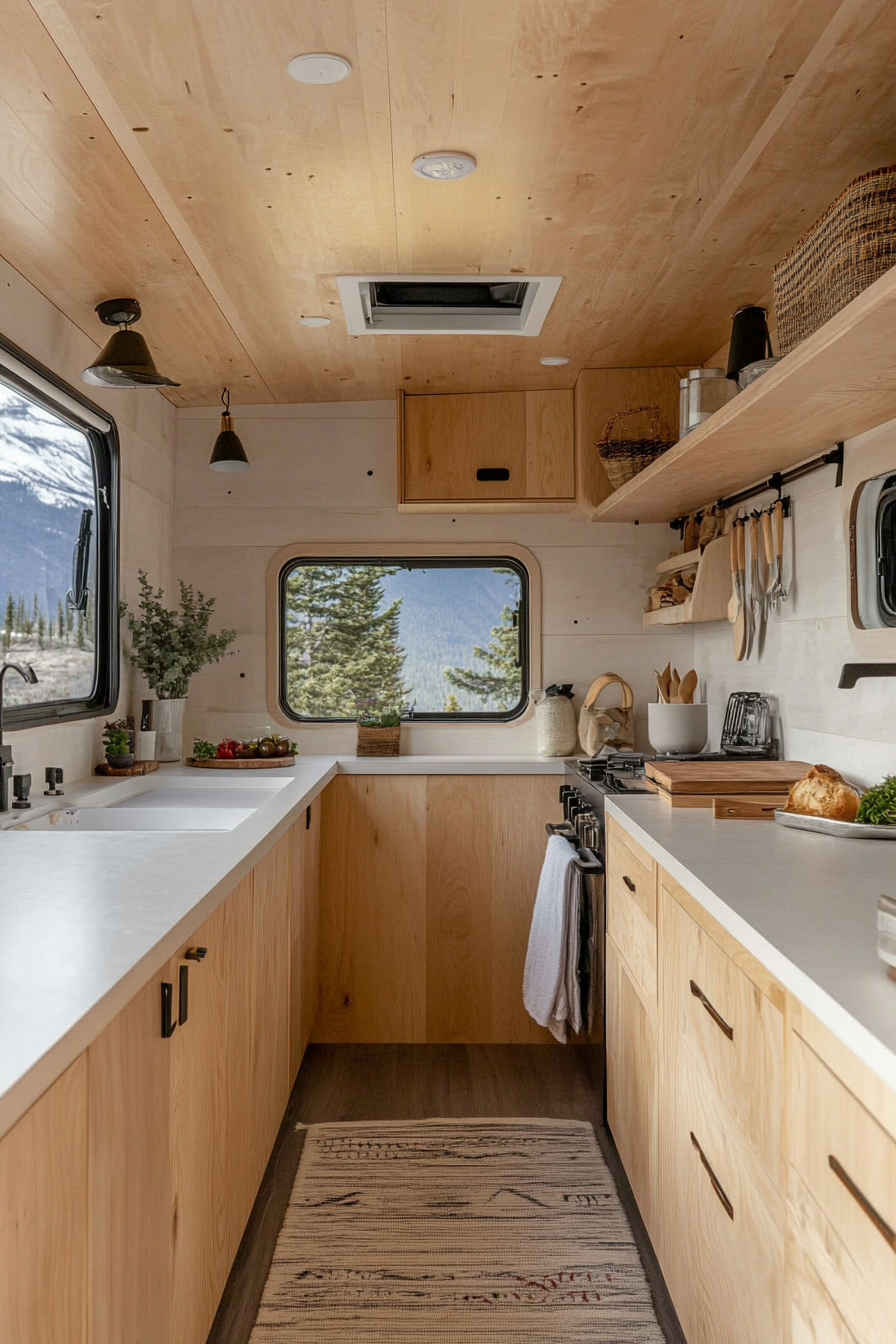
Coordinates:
<point>169,724</point>
<point>555,724</point>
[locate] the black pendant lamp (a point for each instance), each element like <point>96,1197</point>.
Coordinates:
<point>228,453</point>
<point>126,361</point>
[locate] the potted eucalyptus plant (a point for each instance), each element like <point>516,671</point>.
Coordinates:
<point>169,647</point>
<point>117,750</point>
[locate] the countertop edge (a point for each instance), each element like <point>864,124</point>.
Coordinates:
<point>858,1038</point>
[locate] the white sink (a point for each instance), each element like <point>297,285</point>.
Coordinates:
<point>143,817</point>
<point>174,797</point>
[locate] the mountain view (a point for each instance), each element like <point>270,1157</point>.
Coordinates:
<point>46,481</point>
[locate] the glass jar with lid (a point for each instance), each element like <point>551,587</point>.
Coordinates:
<point>708,391</point>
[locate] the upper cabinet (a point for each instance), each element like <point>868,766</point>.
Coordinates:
<point>486,452</point>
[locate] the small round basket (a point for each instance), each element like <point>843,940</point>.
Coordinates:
<point>623,454</point>
<point>378,741</point>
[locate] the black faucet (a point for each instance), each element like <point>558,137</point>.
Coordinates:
<point>27,673</point>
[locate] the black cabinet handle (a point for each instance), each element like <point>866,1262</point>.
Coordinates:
<point>183,994</point>
<point>493,474</point>
<point>195,953</point>
<point>714,1180</point>
<point>716,1016</point>
<point>168,1022</point>
<point>863,1202</point>
<point>628,882</point>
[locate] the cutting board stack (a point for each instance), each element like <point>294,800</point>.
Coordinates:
<point>746,790</point>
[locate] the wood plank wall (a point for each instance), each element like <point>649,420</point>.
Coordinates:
<point>427,888</point>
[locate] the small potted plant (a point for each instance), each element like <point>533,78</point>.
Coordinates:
<point>379,729</point>
<point>117,737</point>
<point>169,647</point>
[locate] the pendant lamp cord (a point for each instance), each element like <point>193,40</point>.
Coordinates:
<point>225,401</point>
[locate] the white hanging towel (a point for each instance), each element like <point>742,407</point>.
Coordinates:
<point>550,991</point>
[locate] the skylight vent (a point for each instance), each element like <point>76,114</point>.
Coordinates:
<point>446,305</point>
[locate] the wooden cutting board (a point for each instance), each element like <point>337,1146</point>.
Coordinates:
<point>748,807</point>
<point>250,763</point>
<point>725,777</point>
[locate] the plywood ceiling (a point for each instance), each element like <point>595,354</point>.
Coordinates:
<point>661,155</point>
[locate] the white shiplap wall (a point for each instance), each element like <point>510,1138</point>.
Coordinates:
<point>309,482</point>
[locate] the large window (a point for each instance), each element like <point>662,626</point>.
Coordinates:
<point>58,551</point>
<point>443,637</point>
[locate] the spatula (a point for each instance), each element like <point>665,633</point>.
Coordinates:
<point>688,687</point>
<point>674,684</point>
<point>740,623</point>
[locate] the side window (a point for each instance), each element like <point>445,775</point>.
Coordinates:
<point>58,554</point>
<point>445,637</point>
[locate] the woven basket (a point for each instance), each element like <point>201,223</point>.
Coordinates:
<point>622,457</point>
<point>378,741</point>
<point>850,247</point>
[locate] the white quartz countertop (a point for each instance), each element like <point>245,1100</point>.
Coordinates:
<point>87,918</point>
<point>804,904</point>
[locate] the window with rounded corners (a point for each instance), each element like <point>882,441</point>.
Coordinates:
<point>58,546</point>
<point>438,637</point>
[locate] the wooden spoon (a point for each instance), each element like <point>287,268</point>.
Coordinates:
<point>666,675</point>
<point>674,685</point>
<point>688,687</point>
<point>740,623</point>
<point>661,689</point>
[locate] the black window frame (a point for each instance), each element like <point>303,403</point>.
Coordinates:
<point>104,447</point>
<point>411,561</point>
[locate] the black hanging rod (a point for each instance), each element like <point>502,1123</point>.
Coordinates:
<point>832,458</point>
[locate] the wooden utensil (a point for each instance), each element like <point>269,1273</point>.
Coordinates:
<point>734,601</point>
<point>740,621</point>
<point>688,687</point>
<point>755,605</point>
<point>666,675</point>
<point>674,684</point>
<point>779,592</point>
<point>660,687</point>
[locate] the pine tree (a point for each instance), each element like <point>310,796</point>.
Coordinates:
<point>69,621</point>
<point>452,704</point>
<point>60,620</point>
<point>21,616</point>
<point>79,639</point>
<point>342,647</point>
<point>498,684</point>
<point>9,622</point>
<point>41,629</point>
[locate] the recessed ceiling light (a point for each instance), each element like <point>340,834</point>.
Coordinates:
<point>444,166</point>
<point>318,67</point>
<point>314,321</point>
<point>554,360</point>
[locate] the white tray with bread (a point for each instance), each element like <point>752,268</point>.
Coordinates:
<point>827,803</point>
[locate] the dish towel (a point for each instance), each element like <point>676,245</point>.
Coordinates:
<point>550,988</point>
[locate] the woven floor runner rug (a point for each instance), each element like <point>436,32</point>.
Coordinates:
<point>469,1231</point>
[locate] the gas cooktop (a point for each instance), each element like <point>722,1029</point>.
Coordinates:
<point>623,771</point>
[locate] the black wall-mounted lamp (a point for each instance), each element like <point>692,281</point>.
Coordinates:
<point>228,453</point>
<point>126,361</point>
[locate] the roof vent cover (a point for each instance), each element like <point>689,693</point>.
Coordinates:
<point>446,305</point>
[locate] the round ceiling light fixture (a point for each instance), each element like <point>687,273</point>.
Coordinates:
<point>445,165</point>
<point>554,361</point>
<point>125,361</point>
<point>314,321</point>
<point>318,67</point>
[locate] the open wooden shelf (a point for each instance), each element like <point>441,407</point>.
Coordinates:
<point>838,383</point>
<point>676,563</point>
<point>712,588</point>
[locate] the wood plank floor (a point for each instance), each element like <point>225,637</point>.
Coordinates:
<point>416,1082</point>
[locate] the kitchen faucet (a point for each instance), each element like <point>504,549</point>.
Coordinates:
<point>27,673</point>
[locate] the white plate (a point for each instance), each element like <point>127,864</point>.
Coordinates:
<point>846,830</point>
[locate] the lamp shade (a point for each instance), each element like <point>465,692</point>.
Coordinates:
<point>125,362</point>
<point>228,453</point>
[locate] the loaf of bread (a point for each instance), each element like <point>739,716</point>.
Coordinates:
<point>824,793</point>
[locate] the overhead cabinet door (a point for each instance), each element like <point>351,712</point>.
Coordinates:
<point>502,447</point>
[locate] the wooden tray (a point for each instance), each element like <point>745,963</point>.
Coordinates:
<point>138,768</point>
<point>725,777</point>
<point>252,763</point>
<point>747,807</point>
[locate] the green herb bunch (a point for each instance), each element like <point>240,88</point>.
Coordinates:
<point>204,751</point>
<point>169,647</point>
<point>372,713</point>
<point>878,805</point>
<point>117,738</point>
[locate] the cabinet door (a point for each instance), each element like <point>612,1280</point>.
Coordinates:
<point>130,1222</point>
<point>269,1006</point>
<point>211,1117</point>
<point>43,1217</point>
<point>481,446</point>
<point>631,1082</point>
<point>304,926</point>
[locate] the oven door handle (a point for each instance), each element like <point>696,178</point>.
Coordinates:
<point>586,861</point>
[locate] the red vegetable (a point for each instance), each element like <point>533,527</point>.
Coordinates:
<point>224,753</point>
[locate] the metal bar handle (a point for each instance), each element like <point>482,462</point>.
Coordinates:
<point>586,861</point>
<point>716,1184</point>
<point>863,1202</point>
<point>714,1014</point>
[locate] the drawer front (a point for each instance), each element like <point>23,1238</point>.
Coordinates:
<point>847,1163</point>
<point>632,869</point>
<point>813,1318</point>
<point>722,1239</point>
<point>631,1084</point>
<point>735,1032</point>
<point>635,939</point>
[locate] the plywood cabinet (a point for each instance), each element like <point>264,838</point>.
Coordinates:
<point>43,1218</point>
<point>632,1112</point>
<point>428,884</point>
<point>486,451</point>
<point>304,932</point>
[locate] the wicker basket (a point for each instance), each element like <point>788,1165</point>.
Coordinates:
<point>378,741</point>
<point>850,247</point>
<point>623,458</point>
